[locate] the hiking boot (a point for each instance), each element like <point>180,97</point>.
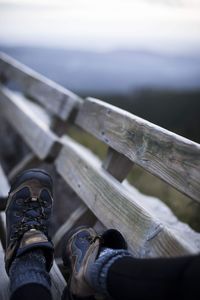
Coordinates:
<point>81,249</point>
<point>28,212</point>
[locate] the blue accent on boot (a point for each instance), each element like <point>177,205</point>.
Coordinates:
<point>29,208</point>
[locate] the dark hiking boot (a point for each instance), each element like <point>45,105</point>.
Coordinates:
<point>80,250</point>
<point>28,212</point>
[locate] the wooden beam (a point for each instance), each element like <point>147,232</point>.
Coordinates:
<point>4,185</point>
<point>169,156</point>
<point>3,229</point>
<point>52,96</point>
<point>58,282</point>
<point>69,224</point>
<point>115,206</point>
<point>4,279</point>
<point>31,122</point>
<point>4,189</point>
<point>117,164</point>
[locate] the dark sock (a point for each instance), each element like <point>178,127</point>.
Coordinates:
<point>31,291</point>
<point>27,273</point>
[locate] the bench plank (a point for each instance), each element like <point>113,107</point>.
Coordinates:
<point>114,205</point>
<point>4,185</point>
<point>54,97</point>
<point>4,280</point>
<point>69,224</point>
<point>169,156</point>
<point>27,119</point>
<point>58,282</point>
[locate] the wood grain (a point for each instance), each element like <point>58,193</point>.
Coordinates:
<point>115,206</point>
<point>54,97</point>
<point>169,156</point>
<point>31,122</point>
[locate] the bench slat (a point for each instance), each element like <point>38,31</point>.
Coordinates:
<point>4,280</point>
<point>169,156</point>
<point>26,119</point>
<point>114,206</point>
<point>4,185</point>
<point>69,224</point>
<point>54,97</point>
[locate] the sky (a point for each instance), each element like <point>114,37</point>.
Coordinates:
<point>157,25</point>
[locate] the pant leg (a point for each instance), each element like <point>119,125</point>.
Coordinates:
<point>164,278</point>
<point>31,291</point>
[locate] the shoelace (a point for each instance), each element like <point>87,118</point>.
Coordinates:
<point>94,238</point>
<point>24,225</point>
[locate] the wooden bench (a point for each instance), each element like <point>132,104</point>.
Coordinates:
<point>41,111</point>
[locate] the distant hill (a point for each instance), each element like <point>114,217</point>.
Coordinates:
<point>111,72</point>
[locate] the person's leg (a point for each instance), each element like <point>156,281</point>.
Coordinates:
<point>104,266</point>
<point>29,250</point>
<point>159,278</point>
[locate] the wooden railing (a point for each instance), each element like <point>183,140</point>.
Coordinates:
<point>41,112</point>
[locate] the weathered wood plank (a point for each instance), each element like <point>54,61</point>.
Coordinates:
<point>160,211</point>
<point>4,185</point>
<point>3,229</point>
<point>54,97</point>
<point>30,122</point>
<point>99,227</point>
<point>115,206</point>
<point>169,156</point>
<point>117,164</point>
<point>71,221</point>
<point>4,280</point>
<point>58,282</point>
<point>69,224</point>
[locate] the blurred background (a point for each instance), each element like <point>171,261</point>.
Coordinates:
<point>140,55</point>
